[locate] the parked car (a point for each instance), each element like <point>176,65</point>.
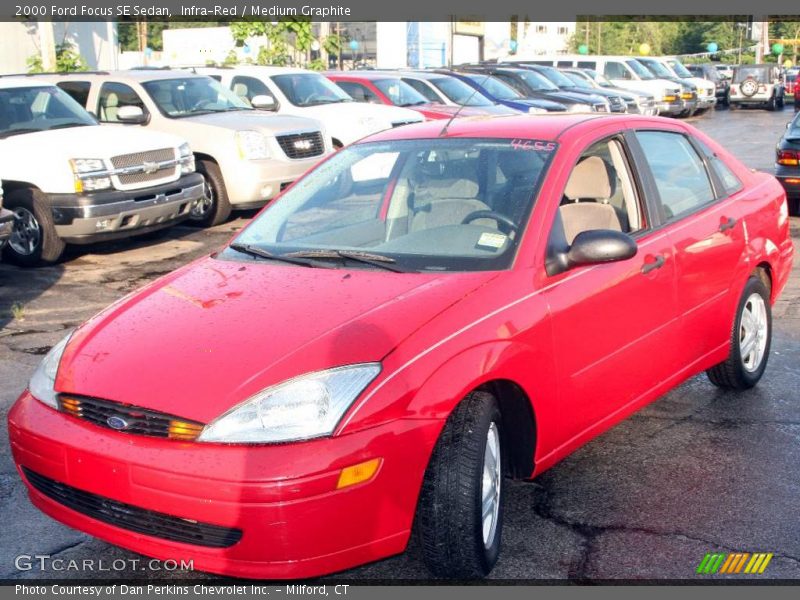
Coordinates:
<point>451,91</point>
<point>403,332</point>
<point>787,163</point>
<point>531,85</point>
<point>69,181</point>
<point>310,94</point>
<point>725,71</point>
<point>381,88</point>
<point>502,93</point>
<point>722,85</point>
<point>601,101</point>
<point>6,221</point>
<point>689,91</point>
<point>245,156</point>
<point>757,85</point>
<point>642,103</point>
<point>622,71</point>
<point>706,90</point>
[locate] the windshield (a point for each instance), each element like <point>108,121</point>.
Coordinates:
<point>639,69</point>
<point>760,74</point>
<point>441,204</point>
<point>399,92</point>
<point>192,96</point>
<point>579,81</point>
<point>460,93</point>
<point>33,109</point>
<point>495,87</point>
<point>679,69</point>
<point>601,79</point>
<point>557,77</point>
<point>310,89</point>
<point>538,83</point>
<point>656,68</point>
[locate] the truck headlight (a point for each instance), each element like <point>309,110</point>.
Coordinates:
<point>302,408</point>
<point>186,159</point>
<point>43,381</point>
<point>90,174</point>
<point>252,145</point>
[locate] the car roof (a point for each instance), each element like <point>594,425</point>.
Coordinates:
<point>426,75</point>
<point>369,75</point>
<point>257,70</point>
<point>139,75</point>
<point>21,82</point>
<point>546,127</point>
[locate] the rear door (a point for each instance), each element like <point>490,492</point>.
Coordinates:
<point>699,212</point>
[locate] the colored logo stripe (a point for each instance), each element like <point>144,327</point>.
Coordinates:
<point>734,563</point>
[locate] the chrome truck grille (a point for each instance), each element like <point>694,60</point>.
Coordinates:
<point>139,168</point>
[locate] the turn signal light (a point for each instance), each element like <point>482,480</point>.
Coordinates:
<point>670,98</point>
<point>792,180</point>
<point>358,473</point>
<point>790,158</point>
<point>181,430</point>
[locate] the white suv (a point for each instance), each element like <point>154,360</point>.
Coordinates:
<point>757,85</point>
<point>310,94</point>
<point>246,156</point>
<point>68,180</point>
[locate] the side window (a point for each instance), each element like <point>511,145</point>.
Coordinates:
<point>423,89</point>
<point>512,82</point>
<point>587,64</point>
<point>79,90</point>
<point>564,63</point>
<point>616,70</point>
<point>358,92</point>
<point>601,194</point>
<point>248,88</point>
<point>730,182</point>
<point>114,96</point>
<point>679,172</point>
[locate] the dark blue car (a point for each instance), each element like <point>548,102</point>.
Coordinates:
<point>504,94</point>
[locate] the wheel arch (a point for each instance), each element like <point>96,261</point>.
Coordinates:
<point>11,185</point>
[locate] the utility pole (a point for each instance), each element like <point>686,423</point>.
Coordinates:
<point>47,45</point>
<point>599,37</point>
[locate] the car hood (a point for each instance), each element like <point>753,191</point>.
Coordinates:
<point>209,336</point>
<point>267,122</point>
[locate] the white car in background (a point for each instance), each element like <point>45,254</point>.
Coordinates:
<point>309,94</point>
<point>706,90</point>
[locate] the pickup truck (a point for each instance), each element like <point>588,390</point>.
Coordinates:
<point>68,180</point>
<point>246,156</point>
<point>6,220</point>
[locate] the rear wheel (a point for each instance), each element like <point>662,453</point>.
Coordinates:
<point>771,103</point>
<point>214,207</point>
<point>750,340</point>
<point>33,240</point>
<point>460,511</point>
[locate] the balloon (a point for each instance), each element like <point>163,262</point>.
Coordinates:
<point>644,49</point>
<point>583,49</point>
<point>787,63</point>
<point>513,45</point>
<point>353,45</point>
<point>246,49</point>
<point>777,49</point>
<point>315,46</point>
<point>712,47</point>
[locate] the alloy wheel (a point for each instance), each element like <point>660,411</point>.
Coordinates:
<point>490,485</point>
<point>26,235</point>
<point>753,332</point>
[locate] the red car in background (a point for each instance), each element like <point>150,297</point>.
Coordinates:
<point>380,88</point>
<point>422,316</point>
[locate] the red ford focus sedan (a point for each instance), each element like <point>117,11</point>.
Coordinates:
<point>426,314</point>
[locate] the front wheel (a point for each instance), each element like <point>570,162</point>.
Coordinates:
<point>460,511</point>
<point>214,207</point>
<point>750,340</point>
<point>34,241</point>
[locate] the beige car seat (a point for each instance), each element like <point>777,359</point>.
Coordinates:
<point>589,181</point>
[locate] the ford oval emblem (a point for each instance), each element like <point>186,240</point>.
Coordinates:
<point>117,423</point>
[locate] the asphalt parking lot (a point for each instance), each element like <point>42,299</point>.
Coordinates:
<point>698,471</point>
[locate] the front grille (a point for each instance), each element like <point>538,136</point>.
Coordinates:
<point>302,145</point>
<point>129,419</point>
<point>139,159</point>
<point>133,518</point>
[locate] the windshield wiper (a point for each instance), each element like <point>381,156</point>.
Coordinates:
<point>11,132</point>
<point>66,125</point>
<point>266,255</point>
<point>368,258</point>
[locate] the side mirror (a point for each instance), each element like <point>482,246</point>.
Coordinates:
<point>131,114</point>
<point>600,246</point>
<point>264,102</point>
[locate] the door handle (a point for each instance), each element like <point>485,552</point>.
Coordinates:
<point>727,223</point>
<point>657,262</point>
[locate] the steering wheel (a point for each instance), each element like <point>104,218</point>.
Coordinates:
<point>499,218</point>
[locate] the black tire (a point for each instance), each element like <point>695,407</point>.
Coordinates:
<point>781,102</point>
<point>732,373</point>
<point>449,523</point>
<point>218,209</point>
<point>771,103</point>
<point>33,223</point>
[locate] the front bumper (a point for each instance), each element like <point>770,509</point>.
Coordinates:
<point>294,523</point>
<point>92,217</point>
<point>674,107</point>
<point>253,183</point>
<point>6,225</point>
<point>706,102</point>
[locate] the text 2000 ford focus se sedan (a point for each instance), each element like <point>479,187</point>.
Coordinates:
<point>423,315</point>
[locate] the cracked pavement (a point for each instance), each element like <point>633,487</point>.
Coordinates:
<point>697,471</point>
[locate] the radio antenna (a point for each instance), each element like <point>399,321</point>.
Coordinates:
<point>455,114</point>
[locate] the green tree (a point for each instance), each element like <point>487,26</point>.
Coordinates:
<point>68,60</point>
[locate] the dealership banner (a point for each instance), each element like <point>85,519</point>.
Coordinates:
<point>371,10</point>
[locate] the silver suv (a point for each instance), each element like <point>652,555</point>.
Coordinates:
<point>757,85</point>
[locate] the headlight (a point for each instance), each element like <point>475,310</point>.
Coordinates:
<point>535,110</point>
<point>186,159</point>
<point>42,384</point>
<point>579,108</point>
<point>90,174</point>
<point>305,407</point>
<point>252,145</point>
